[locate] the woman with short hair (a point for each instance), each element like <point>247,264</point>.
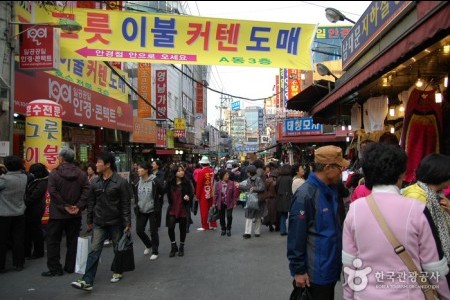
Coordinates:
<point>369,265</point>
<point>225,197</point>
<point>35,203</point>
<point>433,175</point>
<point>12,212</point>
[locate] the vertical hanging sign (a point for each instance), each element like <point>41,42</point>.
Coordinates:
<point>161,94</point>
<point>161,137</point>
<point>199,98</point>
<point>39,47</point>
<point>144,89</point>
<point>43,133</point>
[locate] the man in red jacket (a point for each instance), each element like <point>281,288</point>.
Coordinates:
<point>204,193</point>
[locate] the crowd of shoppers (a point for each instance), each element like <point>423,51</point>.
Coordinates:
<point>306,202</point>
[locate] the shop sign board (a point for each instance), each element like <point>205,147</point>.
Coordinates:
<point>39,47</point>
<point>161,94</point>
<point>43,132</point>
<point>378,17</point>
<point>301,126</point>
<point>161,137</point>
<point>80,105</point>
<point>144,131</point>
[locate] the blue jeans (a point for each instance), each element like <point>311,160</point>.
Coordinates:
<point>99,235</point>
<point>283,217</point>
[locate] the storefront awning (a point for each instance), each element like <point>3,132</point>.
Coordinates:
<point>312,139</point>
<point>435,27</point>
<point>307,98</point>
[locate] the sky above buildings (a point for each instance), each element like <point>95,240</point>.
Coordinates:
<point>257,83</point>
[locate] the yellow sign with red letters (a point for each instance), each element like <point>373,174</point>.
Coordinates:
<point>166,38</point>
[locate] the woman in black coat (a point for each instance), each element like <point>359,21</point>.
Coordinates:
<point>35,206</point>
<point>179,195</point>
<point>284,195</point>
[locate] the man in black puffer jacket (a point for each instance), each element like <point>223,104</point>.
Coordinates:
<point>68,187</point>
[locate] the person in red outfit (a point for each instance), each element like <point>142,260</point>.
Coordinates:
<point>204,193</point>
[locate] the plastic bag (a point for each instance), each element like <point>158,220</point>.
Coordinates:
<point>123,255</point>
<point>83,247</point>
<point>299,293</point>
<point>213,214</point>
<point>252,201</point>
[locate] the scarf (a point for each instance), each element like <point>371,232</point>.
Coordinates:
<point>440,217</point>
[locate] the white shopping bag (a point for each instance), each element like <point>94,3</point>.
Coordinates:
<point>83,248</point>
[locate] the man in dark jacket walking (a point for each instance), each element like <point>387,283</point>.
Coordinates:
<point>315,232</point>
<point>68,187</point>
<point>109,206</point>
<point>160,182</point>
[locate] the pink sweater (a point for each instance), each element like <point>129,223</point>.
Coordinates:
<point>363,239</point>
<point>359,192</point>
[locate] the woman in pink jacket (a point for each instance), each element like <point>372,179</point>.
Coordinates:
<point>372,269</point>
<point>226,194</point>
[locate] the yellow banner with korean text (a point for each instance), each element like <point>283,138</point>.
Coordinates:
<point>93,75</point>
<point>165,38</point>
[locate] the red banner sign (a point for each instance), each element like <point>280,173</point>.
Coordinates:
<point>39,47</point>
<point>80,105</point>
<point>179,133</point>
<point>161,94</point>
<point>199,99</point>
<point>161,137</point>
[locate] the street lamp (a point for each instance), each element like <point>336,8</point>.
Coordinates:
<point>324,71</point>
<point>179,152</point>
<point>66,25</point>
<point>333,15</point>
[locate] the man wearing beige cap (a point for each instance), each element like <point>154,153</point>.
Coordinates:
<point>315,234</point>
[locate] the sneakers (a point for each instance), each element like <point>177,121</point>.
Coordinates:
<point>107,243</point>
<point>154,256</point>
<point>147,251</point>
<point>201,229</point>
<point>82,285</point>
<point>116,277</point>
<point>247,236</point>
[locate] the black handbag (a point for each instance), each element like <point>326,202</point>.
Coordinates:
<point>123,255</point>
<point>299,293</point>
<point>213,213</point>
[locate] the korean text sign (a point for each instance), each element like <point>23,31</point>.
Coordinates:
<point>43,133</point>
<point>39,47</point>
<point>377,17</point>
<point>301,126</point>
<point>162,38</point>
<point>79,105</point>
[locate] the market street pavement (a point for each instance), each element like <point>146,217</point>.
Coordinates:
<point>214,267</point>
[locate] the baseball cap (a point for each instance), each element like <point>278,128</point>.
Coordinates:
<point>328,155</point>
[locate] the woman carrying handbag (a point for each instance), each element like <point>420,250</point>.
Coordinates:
<point>225,196</point>
<point>379,270</point>
<point>180,195</point>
